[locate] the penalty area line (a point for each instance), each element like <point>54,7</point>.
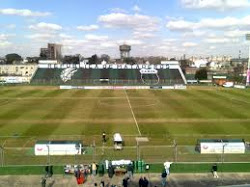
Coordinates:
<point>132,112</point>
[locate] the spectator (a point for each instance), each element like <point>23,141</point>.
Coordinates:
<point>94,168</point>
<point>130,170</point>
<point>111,171</point>
<point>125,182</point>
<point>167,167</point>
<point>43,182</point>
<point>145,182</point>
<point>214,171</point>
<point>141,182</point>
<point>104,136</point>
<point>102,184</point>
<point>164,178</point>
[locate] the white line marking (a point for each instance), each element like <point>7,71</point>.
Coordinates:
<point>131,109</point>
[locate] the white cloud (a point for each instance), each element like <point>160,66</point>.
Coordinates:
<point>118,10</point>
<point>195,33</point>
<point>170,40</point>
<point>6,36</point>
<point>136,22</point>
<point>221,40</point>
<point>189,44</point>
<point>65,36</point>
<point>130,42</point>
<point>136,8</point>
<point>73,42</point>
<point>45,27</point>
<point>215,4</point>
<point>93,37</point>
<point>142,35</point>
<point>212,47</point>
<point>4,40</point>
<point>41,36</point>
<point>220,23</point>
<point>209,23</point>
<point>10,26</point>
<point>235,33</point>
<point>3,37</point>
<point>4,44</point>
<point>180,25</point>
<point>88,27</point>
<point>164,47</point>
<point>23,12</point>
<point>108,45</point>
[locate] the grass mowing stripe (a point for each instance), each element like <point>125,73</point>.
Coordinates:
<point>59,111</point>
<point>195,104</point>
<point>96,112</point>
<point>182,109</point>
<point>222,106</point>
<point>201,103</point>
<point>132,112</point>
<point>145,107</point>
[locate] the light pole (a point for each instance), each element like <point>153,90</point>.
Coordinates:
<point>79,151</point>
<point>248,66</point>
<point>137,151</point>
<point>175,151</point>
<point>2,155</point>
<point>138,140</point>
<point>48,158</point>
<point>222,154</point>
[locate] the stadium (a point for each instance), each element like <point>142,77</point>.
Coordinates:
<point>123,93</point>
<point>79,102</point>
<point>69,116</point>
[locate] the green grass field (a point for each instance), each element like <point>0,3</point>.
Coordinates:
<point>30,113</point>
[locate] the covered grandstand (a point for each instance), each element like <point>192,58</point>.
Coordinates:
<point>120,75</point>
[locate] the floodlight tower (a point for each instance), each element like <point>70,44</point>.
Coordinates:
<point>248,66</point>
<point>125,51</point>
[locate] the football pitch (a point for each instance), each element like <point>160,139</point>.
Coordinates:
<point>30,113</point>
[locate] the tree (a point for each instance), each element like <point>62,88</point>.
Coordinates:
<point>201,74</point>
<point>31,60</point>
<point>71,59</point>
<point>129,60</point>
<point>13,57</point>
<point>93,59</point>
<point>105,57</point>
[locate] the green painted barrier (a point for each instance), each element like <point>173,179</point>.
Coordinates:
<point>154,168</point>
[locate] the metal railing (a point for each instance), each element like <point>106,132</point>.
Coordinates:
<point>20,151</point>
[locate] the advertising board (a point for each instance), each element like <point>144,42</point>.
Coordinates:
<point>58,148</point>
<point>222,147</point>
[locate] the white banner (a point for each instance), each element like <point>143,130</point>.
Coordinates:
<point>104,87</point>
<point>222,147</point>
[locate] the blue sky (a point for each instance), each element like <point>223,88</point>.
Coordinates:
<point>153,28</point>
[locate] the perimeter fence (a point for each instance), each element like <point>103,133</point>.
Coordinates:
<point>20,151</point>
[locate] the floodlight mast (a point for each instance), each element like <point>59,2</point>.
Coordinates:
<point>248,65</point>
<point>248,68</point>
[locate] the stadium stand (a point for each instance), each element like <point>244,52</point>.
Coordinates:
<point>107,76</point>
